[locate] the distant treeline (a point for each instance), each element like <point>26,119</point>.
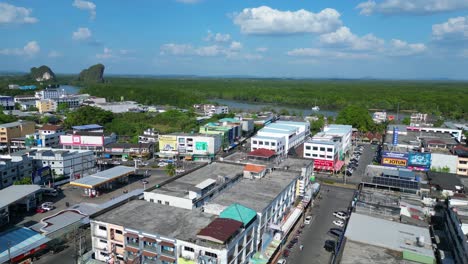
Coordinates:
<point>449,99</point>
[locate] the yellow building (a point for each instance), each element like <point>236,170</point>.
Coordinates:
<point>46,106</point>
<point>15,130</point>
<point>462,164</point>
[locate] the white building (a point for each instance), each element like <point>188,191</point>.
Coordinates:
<point>48,136</point>
<point>50,93</point>
<point>277,144</point>
<point>293,133</point>
<point>190,146</point>
<point>211,110</point>
<point>120,107</point>
<point>150,135</point>
<point>344,132</point>
<point>379,117</point>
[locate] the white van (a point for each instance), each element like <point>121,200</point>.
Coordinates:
<point>49,192</point>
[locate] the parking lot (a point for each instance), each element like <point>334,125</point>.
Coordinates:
<point>315,233</point>
<point>367,156</point>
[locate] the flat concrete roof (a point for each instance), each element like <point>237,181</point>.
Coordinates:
<point>188,182</point>
<point>22,240</point>
<point>256,194</point>
<point>14,193</point>
<point>158,219</point>
<point>388,235</point>
<point>102,177</point>
<point>293,164</point>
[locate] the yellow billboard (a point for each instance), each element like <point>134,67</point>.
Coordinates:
<point>167,143</point>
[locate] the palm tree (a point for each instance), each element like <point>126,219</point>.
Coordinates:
<point>170,169</point>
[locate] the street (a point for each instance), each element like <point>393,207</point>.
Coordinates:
<point>315,234</point>
<point>367,156</point>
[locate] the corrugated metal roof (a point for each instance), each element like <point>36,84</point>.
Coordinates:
<point>254,168</point>
<point>14,193</point>
<point>239,213</point>
<point>220,230</point>
<point>103,177</point>
<point>261,152</point>
<point>85,127</point>
<point>21,240</point>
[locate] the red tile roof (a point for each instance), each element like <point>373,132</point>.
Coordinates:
<point>220,230</point>
<point>254,168</point>
<point>261,152</point>
<point>50,127</point>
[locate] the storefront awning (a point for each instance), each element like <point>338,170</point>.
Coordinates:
<point>338,165</point>
<point>291,220</point>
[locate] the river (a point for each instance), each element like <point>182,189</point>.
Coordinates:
<point>255,107</point>
<point>70,89</point>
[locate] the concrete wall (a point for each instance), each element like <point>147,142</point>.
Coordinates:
<point>174,201</point>
<point>444,160</point>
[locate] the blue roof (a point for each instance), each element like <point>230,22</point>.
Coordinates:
<point>21,240</point>
<point>267,130</point>
<point>265,137</point>
<point>239,213</point>
<point>281,127</point>
<point>86,127</point>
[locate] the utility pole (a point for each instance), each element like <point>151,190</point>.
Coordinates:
<point>9,253</point>
<point>398,112</point>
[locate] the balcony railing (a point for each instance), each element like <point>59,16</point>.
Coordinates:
<point>150,248</point>
<point>147,261</point>
<point>168,252</point>
<point>133,244</point>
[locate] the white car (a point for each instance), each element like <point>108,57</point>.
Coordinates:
<point>47,206</point>
<point>281,261</point>
<point>162,164</point>
<point>341,215</point>
<point>307,220</point>
<point>338,223</point>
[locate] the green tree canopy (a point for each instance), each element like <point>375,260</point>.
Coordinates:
<point>356,116</point>
<point>88,115</point>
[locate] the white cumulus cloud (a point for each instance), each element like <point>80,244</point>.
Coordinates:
<point>328,54</point>
<point>343,37</point>
<point>411,6</point>
<point>235,46</point>
<point>82,34</point>
<point>217,37</point>
<point>403,48</point>
<point>265,20</point>
<point>455,29</point>
<point>176,49</point>
<point>87,6</point>
<point>30,49</point>
<point>10,14</point>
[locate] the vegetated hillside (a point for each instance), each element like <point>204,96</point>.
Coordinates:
<point>447,98</point>
<point>94,74</point>
<point>42,73</point>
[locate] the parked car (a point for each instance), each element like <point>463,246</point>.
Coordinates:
<point>40,210</point>
<point>349,172</point>
<point>341,215</point>
<point>162,164</point>
<point>49,191</point>
<point>338,223</point>
<point>307,220</point>
<point>281,261</point>
<point>330,245</point>
<point>335,232</point>
<point>286,253</point>
<point>47,206</point>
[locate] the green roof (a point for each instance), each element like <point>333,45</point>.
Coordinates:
<point>240,213</point>
<point>230,120</point>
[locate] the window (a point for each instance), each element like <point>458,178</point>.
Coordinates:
<point>329,157</point>
<point>307,154</point>
<point>102,228</point>
<point>159,202</point>
<point>260,142</point>
<point>267,143</point>
<point>308,147</point>
<point>102,241</point>
<point>273,144</point>
<point>166,203</point>
<point>189,249</point>
<point>322,156</point>
<point>322,149</point>
<point>329,149</point>
<point>254,142</point>
<point>209,254</point>
<point>152,200</point>
<point>315,148</point>
<point>118,232</point>
<point>463,162</point>
<point>314,155</point>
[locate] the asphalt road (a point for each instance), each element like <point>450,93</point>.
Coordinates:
<point>315,234</point>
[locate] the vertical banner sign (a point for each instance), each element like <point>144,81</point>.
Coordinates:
<point>395,136</point>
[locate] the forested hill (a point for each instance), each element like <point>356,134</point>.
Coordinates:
<point>94,74</point>
<point>446,98</point>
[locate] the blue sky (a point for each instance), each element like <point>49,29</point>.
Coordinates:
<point>403,39</point>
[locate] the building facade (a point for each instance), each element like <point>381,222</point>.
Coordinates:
<point>17,129</point>
<point>50,93</point>
<point>46,106</point>
<point>276,144</point>
<point>7,102</point>
<point>14,169</point>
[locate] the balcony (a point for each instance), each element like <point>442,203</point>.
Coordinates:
<point>150,248</point>
<point>132,243</point>
<point>168,253</point>
<point>149,261</point>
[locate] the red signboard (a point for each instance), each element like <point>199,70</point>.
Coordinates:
<point>323,163</point>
